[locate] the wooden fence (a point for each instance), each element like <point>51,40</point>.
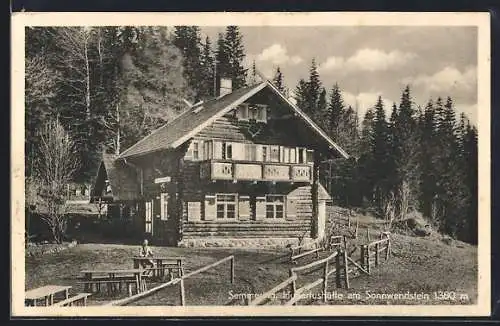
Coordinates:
<point>345,268</point>
<point>338,259</point>
<point>371,252</point>
<point>297,252</point>
<point>179,280</point>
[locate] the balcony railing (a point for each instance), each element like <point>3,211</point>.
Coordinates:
<point>255,171</point>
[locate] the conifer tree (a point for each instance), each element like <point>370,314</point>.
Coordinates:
<point>187,39</point>
<point>207,70</point>
<point>278,81</point>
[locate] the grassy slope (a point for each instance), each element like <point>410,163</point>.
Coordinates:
<point>417,265</point>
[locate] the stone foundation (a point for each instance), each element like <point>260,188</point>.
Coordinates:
<point>241,242</point>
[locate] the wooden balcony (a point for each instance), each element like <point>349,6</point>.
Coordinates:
<point>255,171</point>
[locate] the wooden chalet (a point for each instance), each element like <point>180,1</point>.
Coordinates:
<point>241,167</point>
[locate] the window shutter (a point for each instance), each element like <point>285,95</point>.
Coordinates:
<point>238,151</point>
<point>201,147</point>
<point>210,208</point>
<point>217,150</point>
<point>260,208</point>
<point>164,206</point>
<point>291,207</point>
<point>194,211</point>
<point>263,113</point>
<point>244,208</point>
<point>259,153</point>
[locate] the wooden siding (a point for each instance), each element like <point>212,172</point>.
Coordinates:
<point>228,128</point>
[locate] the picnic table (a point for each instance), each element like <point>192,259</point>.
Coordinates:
<point>163,265</point>
<point>114,279</point>
<point>47,292</point>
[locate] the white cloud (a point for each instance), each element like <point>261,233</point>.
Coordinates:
<point>366,100</point>
<point>368,60</point>
<point>277,55</point>
<point>447,80</point>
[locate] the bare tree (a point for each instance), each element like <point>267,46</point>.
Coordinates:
<point>55,164</point>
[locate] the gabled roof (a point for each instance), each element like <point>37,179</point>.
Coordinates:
<point>188,124</point>
<point>122,178</point>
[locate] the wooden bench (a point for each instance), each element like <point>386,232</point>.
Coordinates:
<point>115,285</point>
<point>114,280</point>
<point>79,298</point>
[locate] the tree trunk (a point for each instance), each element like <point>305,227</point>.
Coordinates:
<point>87,79</point>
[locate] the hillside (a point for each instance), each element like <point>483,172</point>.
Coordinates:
<point>421,265</point>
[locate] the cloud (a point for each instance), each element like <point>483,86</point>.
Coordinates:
<point>366,100</point>
<point>277,55</point>
<point>447,80</point>
<point>368,60</point>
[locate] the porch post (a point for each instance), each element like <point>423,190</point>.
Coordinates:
<point>314,195</point>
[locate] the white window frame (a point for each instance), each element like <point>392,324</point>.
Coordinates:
<point>225,151</point>
<point>225,209</point>
<point>274,204</point>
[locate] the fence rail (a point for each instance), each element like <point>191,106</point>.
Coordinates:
<point>178,280</point>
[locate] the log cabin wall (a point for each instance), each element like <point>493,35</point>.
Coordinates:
<point>198,193</point>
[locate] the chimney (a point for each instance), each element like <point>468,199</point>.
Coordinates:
<point>226,86</point>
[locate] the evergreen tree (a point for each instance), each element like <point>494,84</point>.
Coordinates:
<point>230,56</point>
<point>335,113</point>
<point>279,82</point>
<point>207,68</point>
<point>380,148</point>
<point>187,39</point>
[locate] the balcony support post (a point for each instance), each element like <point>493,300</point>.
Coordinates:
<point>314,194</point>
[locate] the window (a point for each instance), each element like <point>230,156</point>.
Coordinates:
<point>264,153</point>
<point>302,155</point>
<point>275,154</point>
<point>227,151</point>
<point>275,206</point>
<point>226,206</point>
<point>196,151</point>
<point>164,206</point>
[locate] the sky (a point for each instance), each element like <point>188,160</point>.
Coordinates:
<point>368,61</point>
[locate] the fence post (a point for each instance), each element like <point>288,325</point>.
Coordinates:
<point>182,293</point>
<point>368,234</point>
<point>388,248</point>
<point>376,253</point>
<point>294,288</point>
<point>346,269</point>
<point>363,258</point>
<point>232,270</point>
<point>338,282</point>
<point>368,258</point>
<point>325,280</point>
